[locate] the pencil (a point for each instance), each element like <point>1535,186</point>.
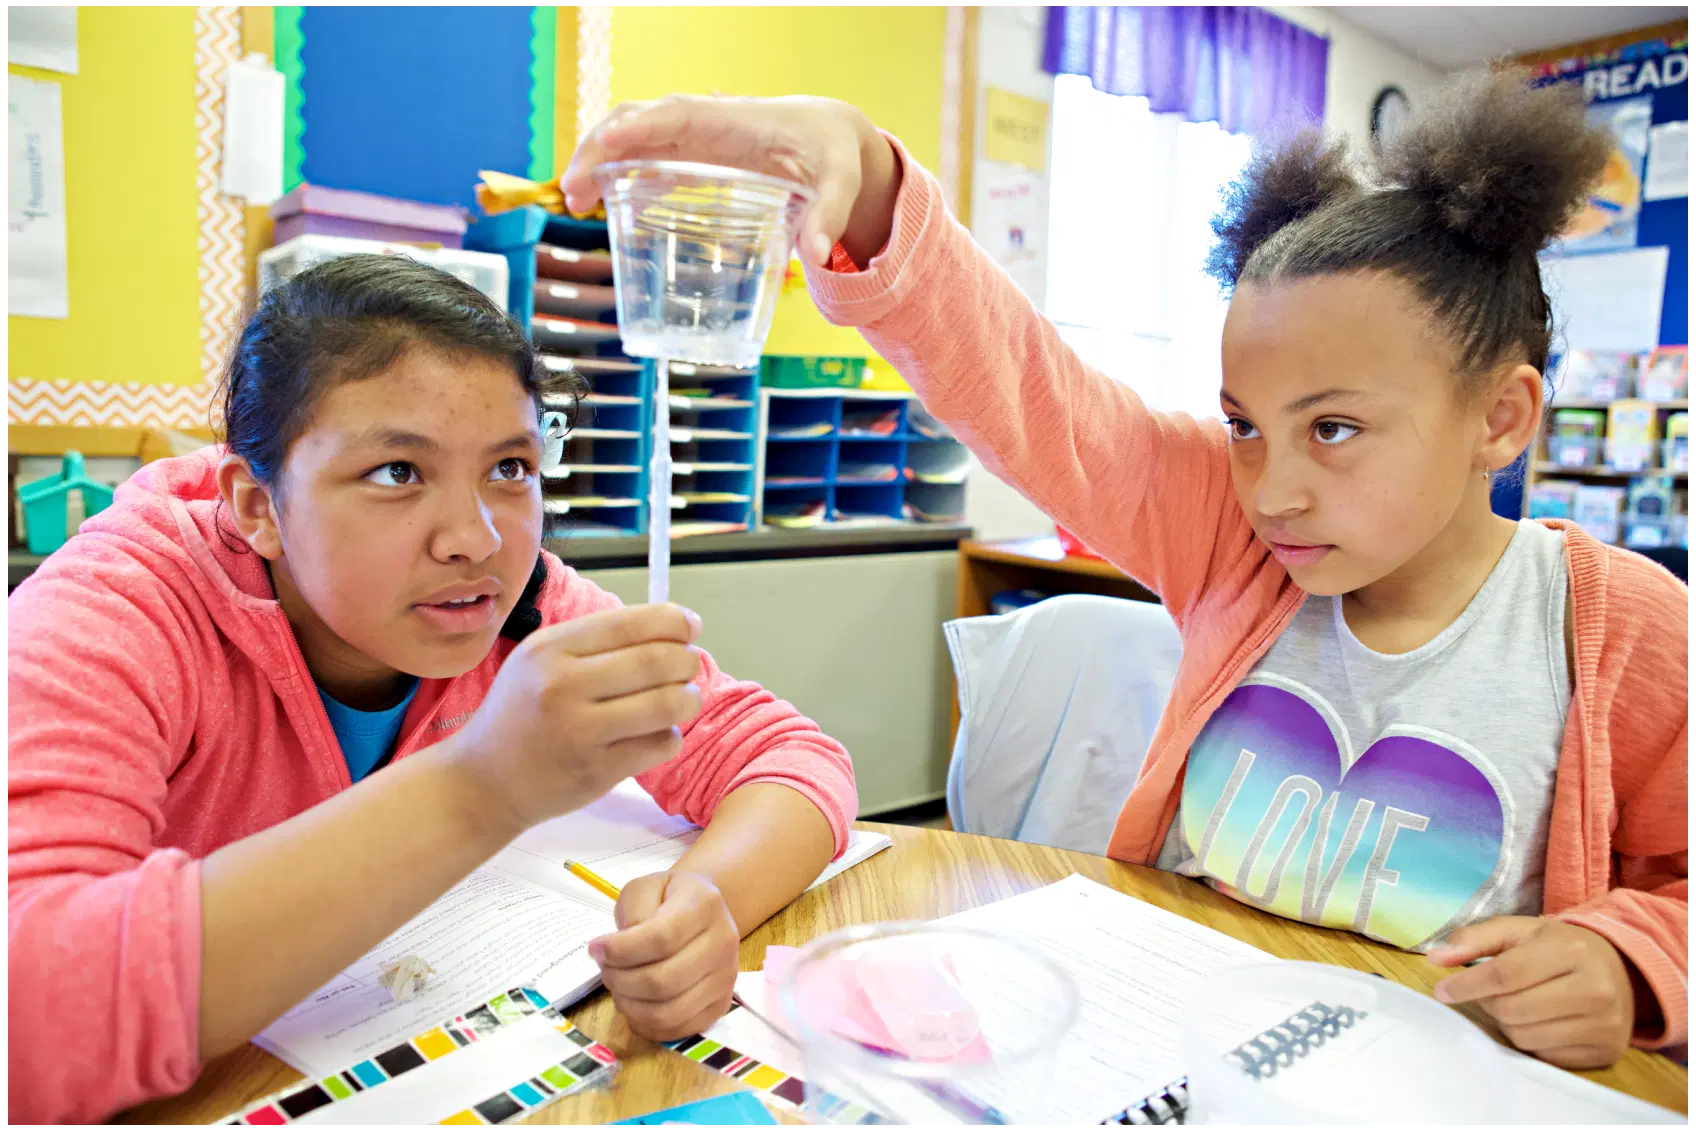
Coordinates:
<point>591,879</point>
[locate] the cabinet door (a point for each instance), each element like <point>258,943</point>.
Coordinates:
<point>855,643</point>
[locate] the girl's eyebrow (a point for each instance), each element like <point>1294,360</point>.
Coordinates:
<point>1313,400</point>
<point>521,442</point>
<point>416,441</point>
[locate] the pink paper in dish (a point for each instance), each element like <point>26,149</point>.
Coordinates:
<point>904,1000</point>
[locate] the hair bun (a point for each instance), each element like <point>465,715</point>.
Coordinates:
<point>1282,184</point>
<point>1501,164</point>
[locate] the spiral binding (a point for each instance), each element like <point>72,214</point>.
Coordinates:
<point>1261,1057</point>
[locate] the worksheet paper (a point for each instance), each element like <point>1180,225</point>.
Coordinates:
<point>521,919</point>
<point>1135,966</point>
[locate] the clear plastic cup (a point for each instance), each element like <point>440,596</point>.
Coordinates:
<point>975,1016</point>
<point>1300,1042</point>
<point>698,255</point>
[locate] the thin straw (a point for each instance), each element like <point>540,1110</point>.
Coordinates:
<point>659,490</point>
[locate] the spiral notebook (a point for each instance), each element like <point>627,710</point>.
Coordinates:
<point>1547,1094</point>
<point>1261,1057</point>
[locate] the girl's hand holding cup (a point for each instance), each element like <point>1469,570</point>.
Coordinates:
<point>821,143</point>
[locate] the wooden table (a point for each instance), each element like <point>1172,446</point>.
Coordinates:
<point>926,874</point>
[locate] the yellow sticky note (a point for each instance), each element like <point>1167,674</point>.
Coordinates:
<point>1015,129</point>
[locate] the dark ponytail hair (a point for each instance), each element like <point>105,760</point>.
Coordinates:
<point>351,318</point>
<point>1460,204</point>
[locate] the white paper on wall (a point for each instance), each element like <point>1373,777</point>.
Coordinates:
<point>42,37</point>
<point>37,277</point>
<point>253,130</point>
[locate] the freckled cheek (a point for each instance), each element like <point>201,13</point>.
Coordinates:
<point>520,526</point>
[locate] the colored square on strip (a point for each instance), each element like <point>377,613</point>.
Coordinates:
<point>466,1116</point>
<point>792,1090</point>
<point>482,1022</point>
<point>537,1083</point>
<point>401,1058</point>
<point>557,1077</point>
<point>522,1001</point>
<point>498,1109</point>
<point>266,1115</point>
<point>504,1010</point>
<point>703,1050</point>
<point>602,1054</point>
<point>537,999</point>
<point>762,1078</point>
<point>434,1044</point>
<point>741,1068</point>
<point>580,1066</point>
<point>334,1086</point>
<point>459,1038</point>
<point>579,1038</point>
<point>685,1044</point>
<point>368,1074</point>
<point>307,1099</point>
<point>723,1058</point>
<point>526,1095</point>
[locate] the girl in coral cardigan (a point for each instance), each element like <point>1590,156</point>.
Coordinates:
<point>1396,713</point>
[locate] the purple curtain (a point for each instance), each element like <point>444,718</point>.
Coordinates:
<point>1244,68</point>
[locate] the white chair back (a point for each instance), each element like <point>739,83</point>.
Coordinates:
<point>1058,701</point>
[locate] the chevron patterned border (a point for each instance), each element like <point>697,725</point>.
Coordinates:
<point>97,404</point>
<point>223,271</point>
<point>217,43</point>
<point>594,67</point>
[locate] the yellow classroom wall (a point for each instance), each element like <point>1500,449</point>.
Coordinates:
<point>130,200</point>
<point>133,227</point>
<point>887,61</point>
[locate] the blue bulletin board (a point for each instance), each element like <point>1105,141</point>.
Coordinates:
<point>1638,88</point>
<point>411,102</point>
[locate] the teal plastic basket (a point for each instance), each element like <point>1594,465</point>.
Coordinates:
<point>46,504</point>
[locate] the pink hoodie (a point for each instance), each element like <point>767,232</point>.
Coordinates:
<point>1152,492</point>
<point>159,709</point>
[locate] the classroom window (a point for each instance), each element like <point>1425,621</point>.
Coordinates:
<point>1132,197</point>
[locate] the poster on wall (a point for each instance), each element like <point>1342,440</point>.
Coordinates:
<point>1609,302</point>
<point>1608,220</point>
<point>36,272</point>
<point>1015,129</point>
<point>1009,219</point>
<point>1668,175</point>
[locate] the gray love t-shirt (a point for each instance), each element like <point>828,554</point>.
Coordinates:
<point>1396,796</point>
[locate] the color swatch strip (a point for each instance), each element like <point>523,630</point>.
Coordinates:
<point>592,1065</point>
<point>770,1084</point>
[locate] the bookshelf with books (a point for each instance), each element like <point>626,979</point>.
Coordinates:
<point>1614,455</point>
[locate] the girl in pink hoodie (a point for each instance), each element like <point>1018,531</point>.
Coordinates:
<point>272,670</point>
<point>1396,712</point>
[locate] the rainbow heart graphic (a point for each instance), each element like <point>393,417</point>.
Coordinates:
<point>1411,836</point>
